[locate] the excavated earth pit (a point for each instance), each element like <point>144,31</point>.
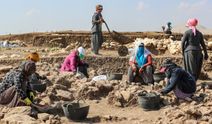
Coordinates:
<point>110,101</point>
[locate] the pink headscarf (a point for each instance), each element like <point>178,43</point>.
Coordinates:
<point>192,23</point>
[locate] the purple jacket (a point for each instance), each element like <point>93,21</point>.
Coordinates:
<point>71,62</point>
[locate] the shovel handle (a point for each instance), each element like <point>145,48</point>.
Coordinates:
<point>107,28</point>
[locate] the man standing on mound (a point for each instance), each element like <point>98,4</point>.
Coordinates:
<point>96,37</point>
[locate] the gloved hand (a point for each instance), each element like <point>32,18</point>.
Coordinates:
<point>206,56</point>
<point>31,95</point>
<point>27,101</point>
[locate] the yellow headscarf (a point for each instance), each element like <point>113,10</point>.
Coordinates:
<point>33,56</point>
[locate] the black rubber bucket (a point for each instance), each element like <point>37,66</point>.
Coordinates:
<point>114,76</point>
<point>149,101</point>
<point>159,76</point>
<point>75,111</point>
<point>38,87</point>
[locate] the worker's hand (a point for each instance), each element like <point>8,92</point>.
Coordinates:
<point>162,92</point>
<point>74,71</point>
<point>31,95</point>
<point>166,80</point>
<point>27,101</point>
<point>133,67</point>
<point>102,20</point>
<point>141,70</point>
<point>206,56</point>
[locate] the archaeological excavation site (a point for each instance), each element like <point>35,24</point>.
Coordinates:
<point>106,96</point>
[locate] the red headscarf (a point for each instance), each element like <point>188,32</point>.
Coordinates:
<point>192,23</point>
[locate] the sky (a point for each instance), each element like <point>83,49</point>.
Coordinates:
<point>21,16</point>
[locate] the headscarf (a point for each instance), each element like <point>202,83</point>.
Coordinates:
<point>33,56</point>
<point>141,55</point>
<point>28,67</point>
<point>169,24</point>
<point>81,51</point>
<point>167,67</point>
<point>192,23</point>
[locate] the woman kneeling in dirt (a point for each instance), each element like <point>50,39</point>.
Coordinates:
<point>181,82</point>
<point>73,63</point>
<point>15,89</point>
<point>35,77</point>
<point>141,68</point>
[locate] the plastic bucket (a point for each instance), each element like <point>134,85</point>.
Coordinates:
<point>114,76</point>
<point>75,111</point>
<point>159,76</point>
<point>38,87</point>
<point>149,101</point>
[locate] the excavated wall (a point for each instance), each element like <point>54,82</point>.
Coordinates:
<point>108,64</point>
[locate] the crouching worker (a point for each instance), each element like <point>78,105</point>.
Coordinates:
<point>141,69</point>
<point>178,80</point>
<point>73,62</point>
<point>15,89</point>
<point>35,77</point>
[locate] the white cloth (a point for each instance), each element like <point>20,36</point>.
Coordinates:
<point>81,50</point>
<point>99,77</point>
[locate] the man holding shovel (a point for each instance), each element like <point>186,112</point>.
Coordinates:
<point>96,37</point>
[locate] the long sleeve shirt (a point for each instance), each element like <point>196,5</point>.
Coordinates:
<point>191,42</point>
<point>16,78</point>
<point>181,79</point>
<point>96,25</point>
<point>71,62</point>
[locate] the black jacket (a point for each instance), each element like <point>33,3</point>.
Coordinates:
<point>191,42</point>
<point>181,79</point>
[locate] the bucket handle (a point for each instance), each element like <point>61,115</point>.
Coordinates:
<point>154,93</point>
<point>144,92</point>
<point>80,99</point>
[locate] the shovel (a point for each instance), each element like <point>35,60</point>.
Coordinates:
<point>108,28</point>
<point>122,50</point>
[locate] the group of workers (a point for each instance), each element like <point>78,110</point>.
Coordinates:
<point>15,87</point>
<point>181,81</point>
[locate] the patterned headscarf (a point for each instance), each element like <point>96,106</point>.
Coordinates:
<point>167,64</point>
<point>192,23</point>
<point>28,67</point>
